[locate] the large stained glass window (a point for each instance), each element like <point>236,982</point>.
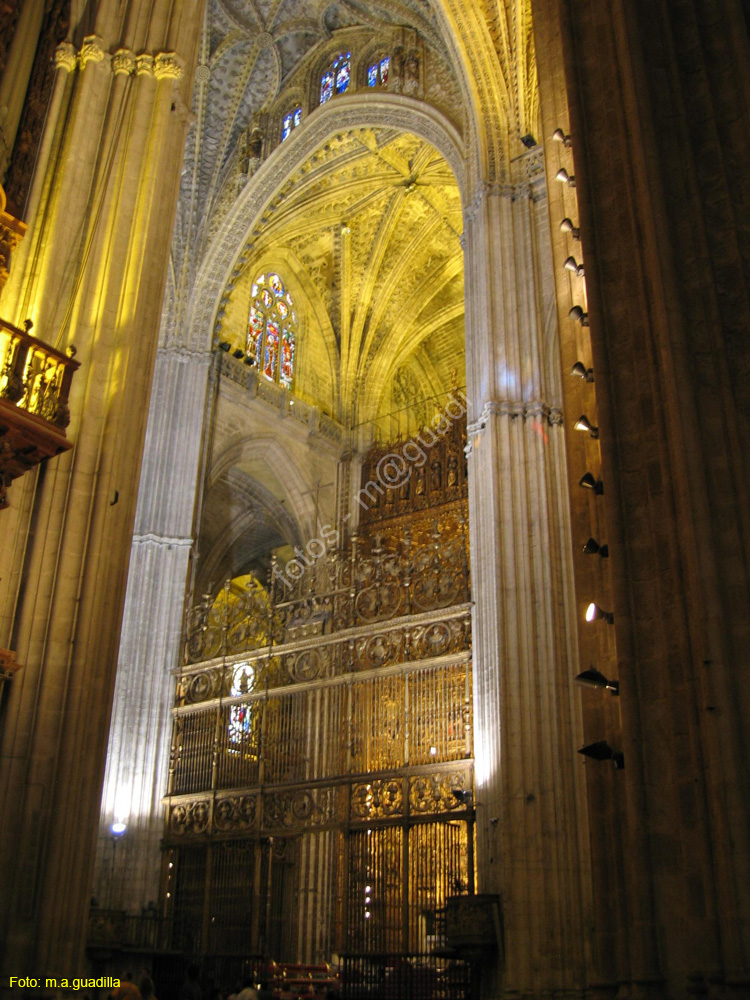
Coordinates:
<point>337,77</point>
<point>272,329</point>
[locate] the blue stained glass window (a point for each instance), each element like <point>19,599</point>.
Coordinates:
<point>326,87</point>
<point>342,69</point>
<point>377,74</point>
<point>290,121</point>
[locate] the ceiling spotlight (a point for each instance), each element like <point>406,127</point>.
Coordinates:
<point>592,547</point>
<point>580,369</point>
<point>571,264</point>
<point>559,136</point>
<point>601,750</point>
<point>587,482</point>
<point>118,829</point>
<point>594,613</point>
<point>579,315</point>
<point>564,177</point>
<point>566,226</point>
<point>582,424</point>
<point>592,678</point>
<point>529,141</point>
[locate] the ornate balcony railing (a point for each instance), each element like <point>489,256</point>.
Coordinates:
<point>35,382</point>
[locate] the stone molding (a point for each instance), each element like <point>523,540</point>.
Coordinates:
<point>186,354</point>
<point>122,61</point>
<point>497,189</point>
<point>534,410</point>
<point>161,540</point>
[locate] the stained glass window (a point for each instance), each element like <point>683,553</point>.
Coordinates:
<point>342,69</point>
<point>272,329</point>
<point>336,78</point>
<point>240,716</point>
<point>378,73</point>
<point>326,87</point>
<point>290,121</point>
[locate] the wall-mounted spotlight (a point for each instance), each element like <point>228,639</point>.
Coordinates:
<point>581,371</point>
<point>592,678</point>
<point>529,141</point>
<point>592,547</point>
<point>587,482</point>
<point>582,424</point>
<point>566,226</point>
<point>118,829</point>
<point>571,264</point>
<point>238,353</point>
<point>559,136</point>
<point>601,750</point>
<point>463,795</point>
<point>579,315</point>
<point>345,229</point>
<point>564,177</point>
<point>594,614</point>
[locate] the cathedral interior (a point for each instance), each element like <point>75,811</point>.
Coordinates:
<point>375,497</point>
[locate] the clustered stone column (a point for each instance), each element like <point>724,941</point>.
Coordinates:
<point>93,275</point>
<point>140,735</point>
<point>530,816</point>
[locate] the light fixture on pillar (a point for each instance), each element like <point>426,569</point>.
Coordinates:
<point>571,264</point>
<point>559,136</point>
<point>528,141</point>
<point>118,829</point>
<point>564,177</point>
<point>592,678</point>
<point>581,371</point>
<point>463,795</point>
<point>566,226</point>
<point>587,482</point>
<point>594,614</point>
<point>579,315</point>
<point>592,547</point>
<point>582,424</point>
<point>601,750</point>
<point>345,229</point>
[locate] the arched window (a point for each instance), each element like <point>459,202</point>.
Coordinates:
<point>240,716</point>
<point>377,74</point>
<point>272,329</point>
<point>336,78</point>
<point>290,121</point>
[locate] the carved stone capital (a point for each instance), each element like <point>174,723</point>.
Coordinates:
<point>66,57</point>
<point>92,50</point>
<point>123,62</point>
<point>168,66</point>
<point>534,410</point>
<point>144,64</point>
